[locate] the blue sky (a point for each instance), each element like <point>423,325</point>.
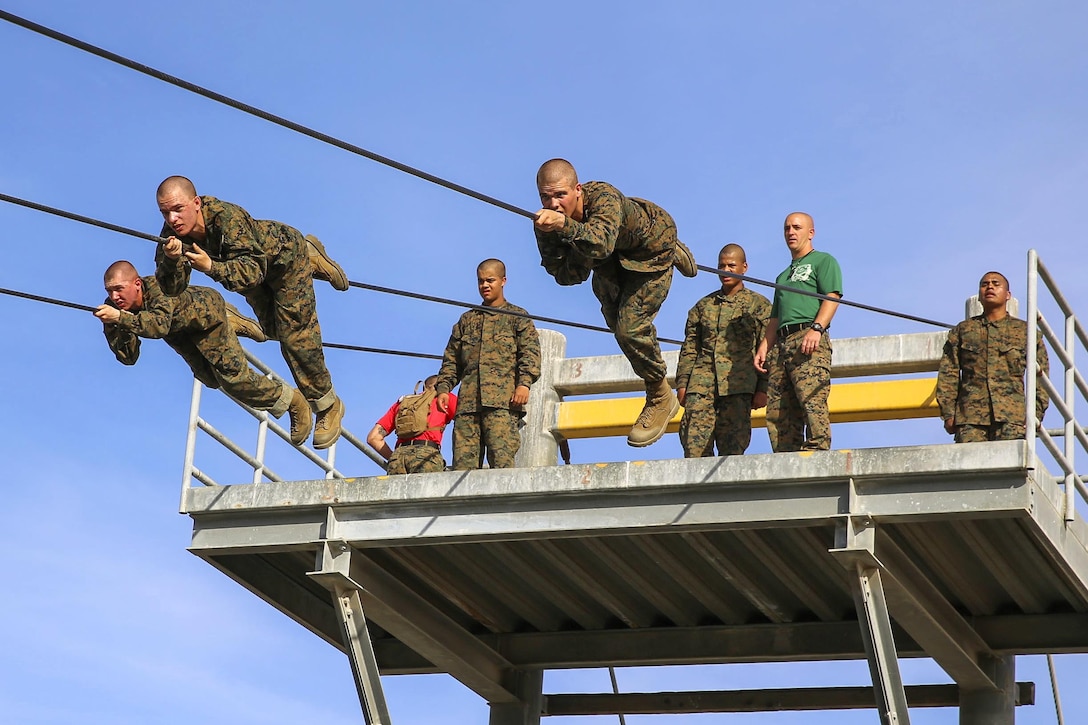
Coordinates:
<point>931,142</point>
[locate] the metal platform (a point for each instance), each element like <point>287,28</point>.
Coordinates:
<point>493,576</point>
<point>969,554</point>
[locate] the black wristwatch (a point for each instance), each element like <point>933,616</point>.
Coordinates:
<point>818,327</point>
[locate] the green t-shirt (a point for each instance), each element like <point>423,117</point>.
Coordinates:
<point>814,272</point>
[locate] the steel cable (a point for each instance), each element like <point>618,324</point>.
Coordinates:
<point>839,300</point>
<point>47,300</point>
<point>473,306</point>
<point>380,350</point>
<point>254,111</point>
<point>361,285</point>
<point>333,345</point>
<point>358,150</point>
<point>80,218</point>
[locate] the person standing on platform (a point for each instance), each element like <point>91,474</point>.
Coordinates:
<point>980,386</point>
<point>271,265</point>
<point>495,357</point>
<point>796,349</point>
<point>716,379</point>
<point>630,247</point>
<point>420,451</point>
<point>197,324</point>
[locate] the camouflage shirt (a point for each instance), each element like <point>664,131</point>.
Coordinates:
<point>720,341</point>
<point>982,370</point>
<point>490,354</point>
<point>641,234</point>
<point>241,248</point>
<point>155,320</point>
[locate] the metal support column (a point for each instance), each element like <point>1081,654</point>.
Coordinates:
<point>989,707</point>
<point>333,564</point>
<point>876,633</point>
<point>529,686</point>
<point>1030,382</point>
<point>855,540</point>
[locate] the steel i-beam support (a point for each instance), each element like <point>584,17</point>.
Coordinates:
<point>992,707</point>
<point>529,686</point>
<point>855,539</point>
<point>876,634</point>
<point>333,565</point>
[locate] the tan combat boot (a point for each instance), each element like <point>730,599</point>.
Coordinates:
<point>684,260</point>
<point>661,406</point>
<point>327,429</point>
<point>301,418</point>
<point>323,265</point>
<point>244,326</point>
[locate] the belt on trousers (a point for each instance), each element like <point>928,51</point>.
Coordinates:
<point>432,444</point>
<point>790,329</point>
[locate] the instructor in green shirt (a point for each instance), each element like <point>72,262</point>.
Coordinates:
<point>796,350</point>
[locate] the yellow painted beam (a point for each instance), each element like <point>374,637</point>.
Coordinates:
<point>847,402</point>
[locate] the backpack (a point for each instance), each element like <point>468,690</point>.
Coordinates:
<point>411,419</point>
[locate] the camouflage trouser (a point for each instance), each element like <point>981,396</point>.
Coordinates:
<point>416,459</point>
<point>710,420</point>
<point>286,307</point>
<point>993,432</point>
<point>629,302</point>
<point>202,336</point>
<point>797,388</point>
<point>492,429</point>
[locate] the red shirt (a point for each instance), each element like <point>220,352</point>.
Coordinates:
<point>435,419</point>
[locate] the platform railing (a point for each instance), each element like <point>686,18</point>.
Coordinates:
<point>548,423</point>
<point>265,424</point>
<point>1063,347</point>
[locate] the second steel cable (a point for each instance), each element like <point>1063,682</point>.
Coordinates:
<point>361,285</point>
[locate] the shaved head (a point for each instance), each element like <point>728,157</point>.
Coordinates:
<point>734,250</point>
<point>799,230</point>
<point>180,184</point>
<point>124,286</point>
<point>1003,278</point>
<point>556,171</point>
<point>732,260</point>
<point>181,208</point>
<point>994,295</point>
<point>121,271</point>
<point>807,217</point>
<point>557,183</point>
<point>496,265</point>
<point>490,279</point>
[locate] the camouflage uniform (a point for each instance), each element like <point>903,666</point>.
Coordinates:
<point>797,386</point>
<point>416,459</point>
<point>490,354</point>
<point>717,369</point>
<point>194,323</point>
<point>267,262</point>
<point>981,380</point>
<point>629,245</point>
